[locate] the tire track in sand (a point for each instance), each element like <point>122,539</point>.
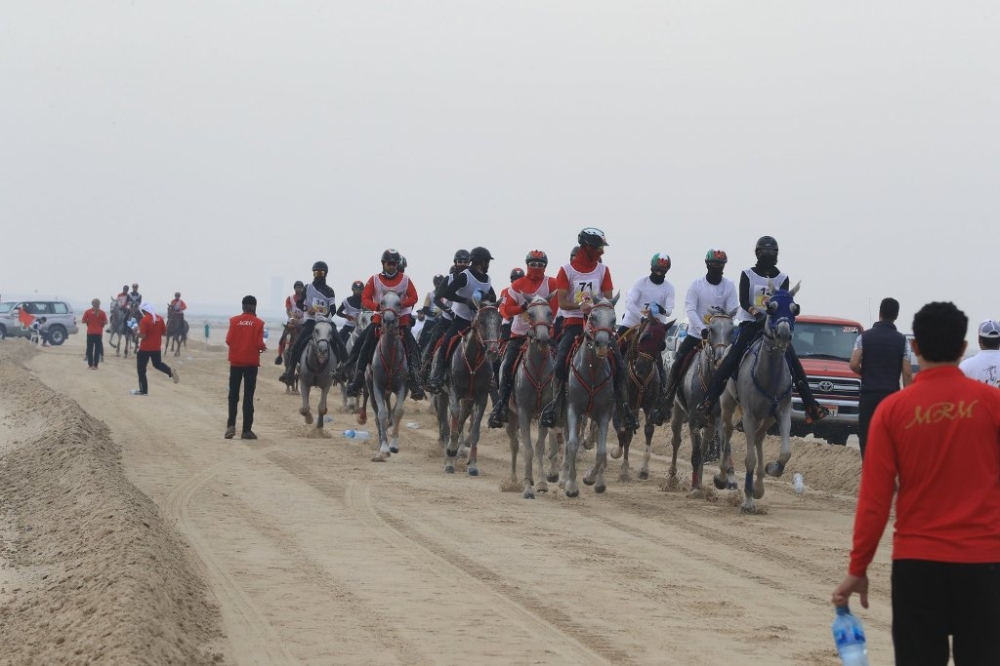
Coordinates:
<point>534,616</point>
<point>257,642</point>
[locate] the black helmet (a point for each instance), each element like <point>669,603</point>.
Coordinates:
<point>766,243</point>
<point>537,255</point>
<point>575,251</point>
<point>592,236</point>
<point>321,266</point>
<point>390,255</point>
<point>480,253</point>
<point>462,257</point>
<point>402,263</point>
<point>516,273</point>
<point>438,279</point>
<point>298,283</point>
<point>357,285</point>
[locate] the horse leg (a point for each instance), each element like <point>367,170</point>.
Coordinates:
<point>750,491</point>
<point>569,456</point>
<point>398,410</point>
<point>647,429</point>
<point>624,442</point>
<point>304,409</point>
<point>556,443</point>
<point>478,409</point>
<point>451,450</point>
<point>676,428</point>
<point>524,427</point>
<point>784,429</point>
<point>321,407</point>
<point>509,484</point>
<point>601,459</point>
<point>726,478</point>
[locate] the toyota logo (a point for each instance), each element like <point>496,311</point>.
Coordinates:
<point>825,386</point>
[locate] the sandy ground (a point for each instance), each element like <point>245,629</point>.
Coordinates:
<point>132,532</point>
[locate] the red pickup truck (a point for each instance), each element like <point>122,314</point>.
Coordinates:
<point>824,345</point>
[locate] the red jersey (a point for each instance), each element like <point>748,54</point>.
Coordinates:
<point>95,320</point>
<point>941,437</point>
<point>378,284</point>
<point>152,328</point>
<point>178,305</point>
<point>246,340</point>
<point>525,288</point>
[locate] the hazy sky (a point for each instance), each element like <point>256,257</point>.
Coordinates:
<point>213,147</point>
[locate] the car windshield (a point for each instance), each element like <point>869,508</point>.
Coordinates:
<point>824,340</point>
<point>5,307</point>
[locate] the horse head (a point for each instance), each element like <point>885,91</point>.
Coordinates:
<point>719,335</point>
<point>539,315</point>
<point>321,337</point>
<point>363,320</point>
<point>781,312</point>
<point>601,325</point>
<point>486,327</point>
<point>389,306</point>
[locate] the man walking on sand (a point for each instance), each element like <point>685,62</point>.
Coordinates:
<point>152,328</point>
<point>938,443</point>
<point>246,343</point>
<point>881,357</point>
<point>95,320</point>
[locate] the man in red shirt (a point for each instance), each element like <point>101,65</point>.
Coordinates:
<point>939,440</point>
<point>246,343</point>
<point>152,328</point>
<point>95,319</point>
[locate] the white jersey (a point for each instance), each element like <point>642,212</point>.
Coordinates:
<point>519,324</point>
<point>983,367</point>
<point>433,311</point>
<point>315,300</point>
<point>705,299</point>
<point>472,285</point>
<point>581,283</point>
<point>645,293</point>
<point>760,292</point>
<point>401,288</point>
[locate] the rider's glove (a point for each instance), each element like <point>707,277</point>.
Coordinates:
<point>759,315</point>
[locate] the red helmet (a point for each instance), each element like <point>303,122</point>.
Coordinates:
<point>537,255</point>
<point>357,285</point>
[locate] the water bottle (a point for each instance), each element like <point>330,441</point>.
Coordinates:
<point>849,636</point>
<point>798,482</point>
<point>413,425</point>
<point>356,434</point>
<point>266,333</point>
<point>478,296</point>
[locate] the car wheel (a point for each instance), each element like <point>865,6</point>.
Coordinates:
<point>3,332</point>
<point>56,335</point>
<point>838,437</point>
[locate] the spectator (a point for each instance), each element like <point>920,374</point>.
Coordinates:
<point>880,357</point>
<point>937,442</point>
<point>96,319</point>
<point>37,336</point>
<point>985,366</point>
<point>246,343</point>
<point>152,328</point>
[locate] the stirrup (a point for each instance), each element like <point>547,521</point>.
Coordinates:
<point>702,412</point>
<point>816,412</point>
<point>416,391</point>
<point>496,416</point>
<point>548,416</point>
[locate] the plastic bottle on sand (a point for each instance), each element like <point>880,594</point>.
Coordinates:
<point>849,636</point>
<point>798,483</point>
<point>413,425</point>
<point>356,434</point>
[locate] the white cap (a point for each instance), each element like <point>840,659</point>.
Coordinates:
<point>148,307</point>
<point>989,329</point>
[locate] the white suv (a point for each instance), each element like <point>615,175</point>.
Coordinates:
<point>59,319</point>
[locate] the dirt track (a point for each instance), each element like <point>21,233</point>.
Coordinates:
<point>312,554</point>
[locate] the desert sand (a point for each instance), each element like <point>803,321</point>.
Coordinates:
<point>131,532</point>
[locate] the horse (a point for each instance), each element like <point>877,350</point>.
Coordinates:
<point>361,322</point>
<point>590,392</point>
<point>286,356</point>
<point>469,378</point>
<point>385,378</point>
<point>177,330</point>
<point>643,393</point>
<point>691,389</point>
<point>316,367</point>
<point>763,390</point>
<point>533,372</point>
<point>121,331</point>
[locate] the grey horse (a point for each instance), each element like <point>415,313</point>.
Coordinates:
<point>385,378</point>
<point>590,393</point>
<point>690,392</point>
<point>763,389</point>
<point>316,369</point>
<point>362,321</point>
<point>469,378</point>
<point>532,391</point>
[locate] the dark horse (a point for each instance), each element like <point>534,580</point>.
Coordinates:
<point>177,331</point>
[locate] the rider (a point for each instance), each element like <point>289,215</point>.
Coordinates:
<point>293,308</point>
<point>390,279</point>
<point>514,301</point>
<point>515,274</point>
<point>350,308</point>
<point>135,298</point>
<point>707,296</point>
<point>177,305</point>
<point>755,291</point>
<point>431,314</point>
<point>577,283</point>
<point>461,262</point>
<point>462,293</point>
<point>651,297</point>
<point>317,301</point>
<point>122,298</point>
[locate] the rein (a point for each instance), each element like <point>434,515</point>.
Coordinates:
<point>481,353</point>
<point>592,389</point>
<point>772,346</point>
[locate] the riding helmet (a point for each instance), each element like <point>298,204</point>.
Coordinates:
<point>402,263</point>
<point>766,243</point>
<point>462,257</point>
<point>438,279</point>
<point>357,285</point>
<point>660,260</point>
<point>298,283</point>
<point>716,256</point>
<point>592,236</point>
<point>480,253</point>
<point>516,273</point>
<point>321,266</point>
<point>391,256</point>
<point>537,255</point>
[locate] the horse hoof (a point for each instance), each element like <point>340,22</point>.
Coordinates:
<point>449,469</point>
<point>588,482</point>
<point>600,489</point>
<point>732,485</point>
<point>473,471</point>
<point>625,478</point>
<point>774,469</point>
<point>542,487</point>
<point>362,418</point>
<point>572,493</point>
<point>393,449</point>
<point>720,484</point>
<point>378,457</point>
<point>616,453</point>
<point>552,478</point>
<point>309,418</point>
<point>643,476</point>
<point>528,495</point>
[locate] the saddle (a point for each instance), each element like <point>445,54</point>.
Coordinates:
<point>736,368</point>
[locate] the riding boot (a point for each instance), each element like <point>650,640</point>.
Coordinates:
<point>413,375</point>
<point>628,417</point>
<point>553,411</point>
<point>814,410</point>
<point>499,414</point>
<point>434,385</point>
<point>665,405</point>
<point>354,389</point>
